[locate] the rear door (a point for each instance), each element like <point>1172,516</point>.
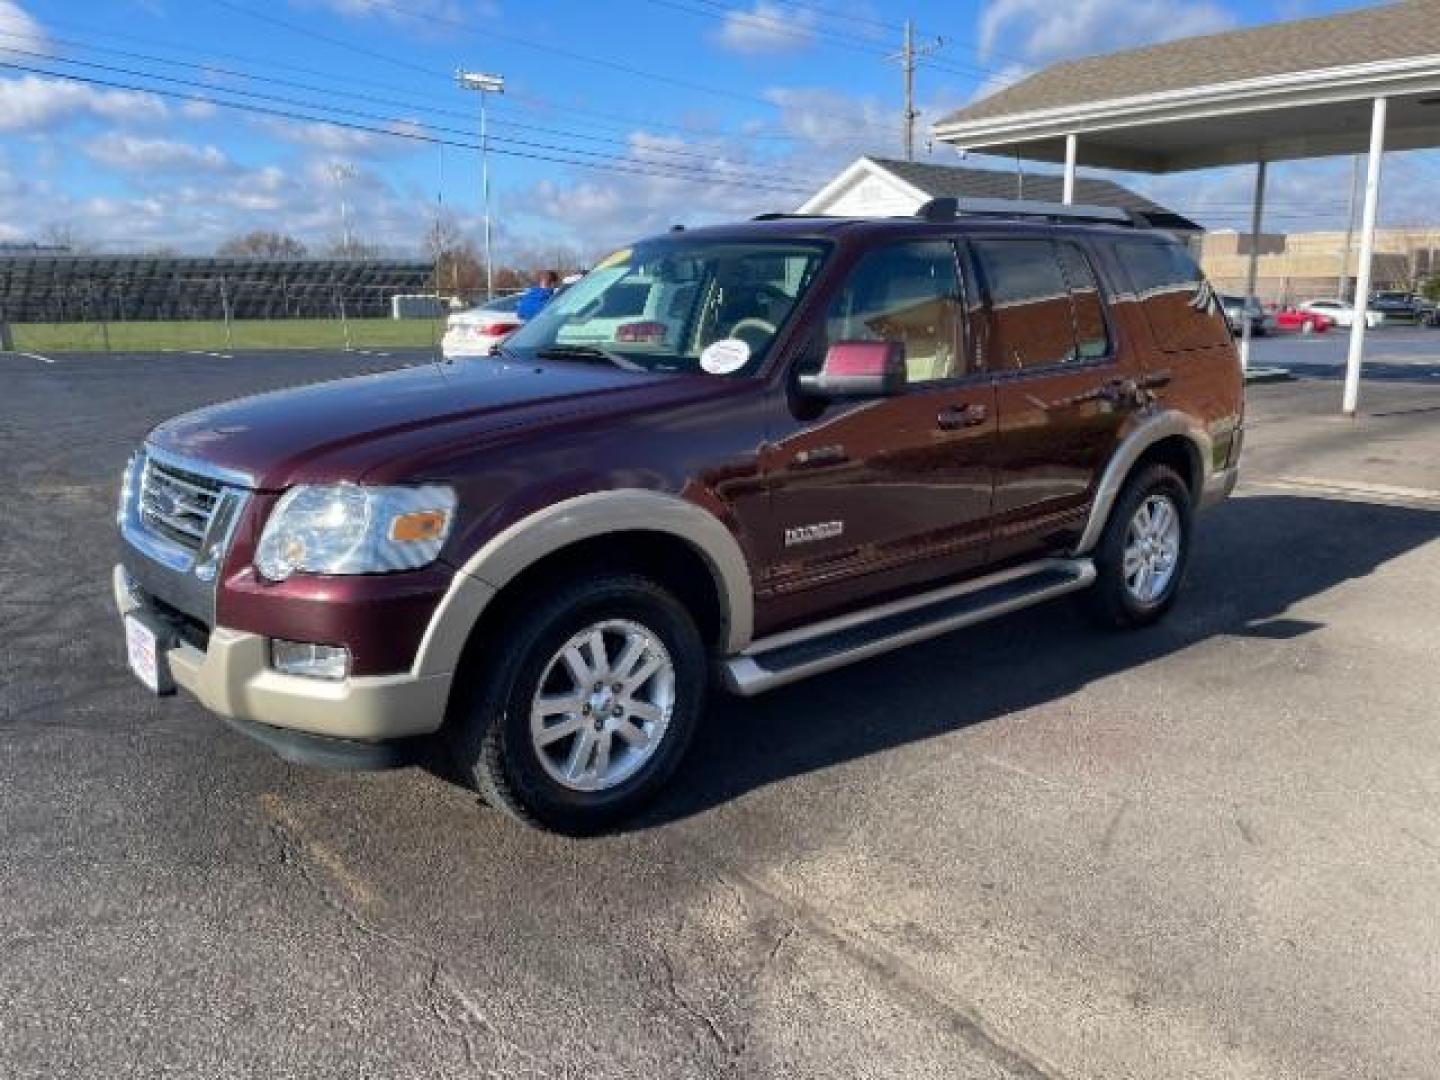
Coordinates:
<point>1060,385</point>
<point>880,495</point>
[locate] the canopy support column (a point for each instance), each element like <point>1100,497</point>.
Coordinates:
<point>1367,253</point>
<point>1256,212</point>
<point>1071,148</point>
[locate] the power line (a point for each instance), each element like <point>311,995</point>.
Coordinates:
<point>400,122</point>
<point>614,164</point>
<point>603,118</point>
<point>212,69</point>
<point>524,43</point>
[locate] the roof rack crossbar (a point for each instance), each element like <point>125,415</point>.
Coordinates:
<point>948,208</point>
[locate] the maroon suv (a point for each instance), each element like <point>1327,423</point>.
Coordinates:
<point>760,451</point>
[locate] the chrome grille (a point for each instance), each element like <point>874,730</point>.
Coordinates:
<point>178,504</point>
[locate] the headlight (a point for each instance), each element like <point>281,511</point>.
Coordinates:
<point>127,489</point>
<point>352,529</point>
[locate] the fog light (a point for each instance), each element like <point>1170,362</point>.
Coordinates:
<point>312,661</point>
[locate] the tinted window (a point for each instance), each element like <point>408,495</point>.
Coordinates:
<point>908,293</point>
<point>1033,315</point>
<point>1092,336</point>
<point>1179,304</point>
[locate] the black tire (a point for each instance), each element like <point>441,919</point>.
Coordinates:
<point>1110,601</point>
<point>489,732</point>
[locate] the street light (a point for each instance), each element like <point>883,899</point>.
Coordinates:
<point>485,85</point>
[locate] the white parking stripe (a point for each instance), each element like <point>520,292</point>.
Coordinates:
<point>34,356</point>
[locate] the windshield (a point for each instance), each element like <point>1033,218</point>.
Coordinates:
<point>677,305</point>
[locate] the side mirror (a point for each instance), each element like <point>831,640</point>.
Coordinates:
<point>859,369</point>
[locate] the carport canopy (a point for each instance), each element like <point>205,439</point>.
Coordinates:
<point>1340,84</point>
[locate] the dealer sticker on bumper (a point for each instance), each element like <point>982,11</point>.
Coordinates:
<point>141,647</point>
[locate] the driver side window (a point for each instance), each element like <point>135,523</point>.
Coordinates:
<point>908,293</point>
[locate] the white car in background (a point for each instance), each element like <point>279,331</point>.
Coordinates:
<point>476,331</point>
<point>1341,313</point>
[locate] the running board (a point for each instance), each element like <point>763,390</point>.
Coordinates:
<point>797,654</point>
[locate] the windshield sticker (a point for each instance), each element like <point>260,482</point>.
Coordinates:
<point>614,259</point>
<point>724,356</point>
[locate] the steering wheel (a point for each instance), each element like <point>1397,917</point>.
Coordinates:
<point>752,323</point>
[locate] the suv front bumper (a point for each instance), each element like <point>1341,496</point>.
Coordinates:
<point>304,719</point>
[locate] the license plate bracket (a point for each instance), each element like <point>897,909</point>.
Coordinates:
<point>147,643</point>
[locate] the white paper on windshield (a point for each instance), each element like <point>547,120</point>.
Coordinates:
<point>724,356</point>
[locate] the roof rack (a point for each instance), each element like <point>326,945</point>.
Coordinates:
<point>949,208</point>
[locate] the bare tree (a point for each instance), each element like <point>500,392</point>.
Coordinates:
<point>457,266</point>
<point>263,244</point>
<point>63,234</point>
<point>352,247</point>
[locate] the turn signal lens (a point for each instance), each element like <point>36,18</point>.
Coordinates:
<point>313,661</point>
<point>419,526</point>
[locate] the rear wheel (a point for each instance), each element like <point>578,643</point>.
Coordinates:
<point>584,709</point>
<point>1141,558</point>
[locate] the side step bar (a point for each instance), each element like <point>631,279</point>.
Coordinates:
<point>797,654</point>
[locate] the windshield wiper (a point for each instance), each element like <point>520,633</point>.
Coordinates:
<point>591,353</point>
<point>580,352</point>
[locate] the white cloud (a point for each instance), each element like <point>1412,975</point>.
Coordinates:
<point>412,12</point>
<point>33,103</point>
<point>19,30</point>
<point>830,124</point>
<point>1043,31</point>
<point>132,153</point>
<point>767,28</point>
<point>350,142</point>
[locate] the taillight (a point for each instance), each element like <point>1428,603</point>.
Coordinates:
<point>643,333</point>
<point>497,329</point>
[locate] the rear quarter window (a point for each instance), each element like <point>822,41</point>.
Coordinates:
<point>1182,310</point>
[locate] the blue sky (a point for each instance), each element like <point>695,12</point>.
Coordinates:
<point>686,109</point>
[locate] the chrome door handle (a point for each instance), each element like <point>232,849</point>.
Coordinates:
<point>961,416</point>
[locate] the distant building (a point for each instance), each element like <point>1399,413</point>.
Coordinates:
<point>1302,266</point>
<point>881,187</point>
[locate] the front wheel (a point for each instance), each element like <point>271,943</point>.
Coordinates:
<point>1141,558</point>
<point>585,707</point>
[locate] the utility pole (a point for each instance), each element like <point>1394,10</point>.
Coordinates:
<point>1349,229</point>
<point>907,56</point>
<point>485,85</point>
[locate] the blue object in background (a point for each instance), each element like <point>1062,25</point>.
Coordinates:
<point>532,301</point>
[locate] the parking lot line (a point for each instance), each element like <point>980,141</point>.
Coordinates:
<point>1425,498</point>
<point>34,356</point>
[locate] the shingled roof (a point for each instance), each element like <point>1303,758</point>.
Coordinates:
<point>1390,32</point>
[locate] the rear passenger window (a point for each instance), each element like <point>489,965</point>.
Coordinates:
<point>1092,337</point>
<point>1045,306</point>
<point>1181,308</point>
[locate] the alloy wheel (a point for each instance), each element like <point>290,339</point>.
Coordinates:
<point>603,705</point>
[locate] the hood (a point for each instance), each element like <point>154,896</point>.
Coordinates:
<point>341,430</point>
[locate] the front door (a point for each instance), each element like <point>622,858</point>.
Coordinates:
<point>879,496</point>
<point>1061,389</point>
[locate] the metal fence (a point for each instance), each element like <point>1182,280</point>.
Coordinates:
<point>68,302</point>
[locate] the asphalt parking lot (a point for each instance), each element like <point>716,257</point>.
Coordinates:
<point>1027,850</point>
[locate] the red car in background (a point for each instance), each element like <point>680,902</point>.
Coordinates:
<point>1305,322</point>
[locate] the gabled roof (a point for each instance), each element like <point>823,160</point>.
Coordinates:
<point>1270,93</point>
<point>929,180</point>
<point>1372,35</point>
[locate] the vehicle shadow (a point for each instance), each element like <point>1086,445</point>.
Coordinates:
<point>1374,370</point>
<point>1255,558</point>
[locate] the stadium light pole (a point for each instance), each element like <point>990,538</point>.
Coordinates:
<point>485,85</point>
<point>341,172</point>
